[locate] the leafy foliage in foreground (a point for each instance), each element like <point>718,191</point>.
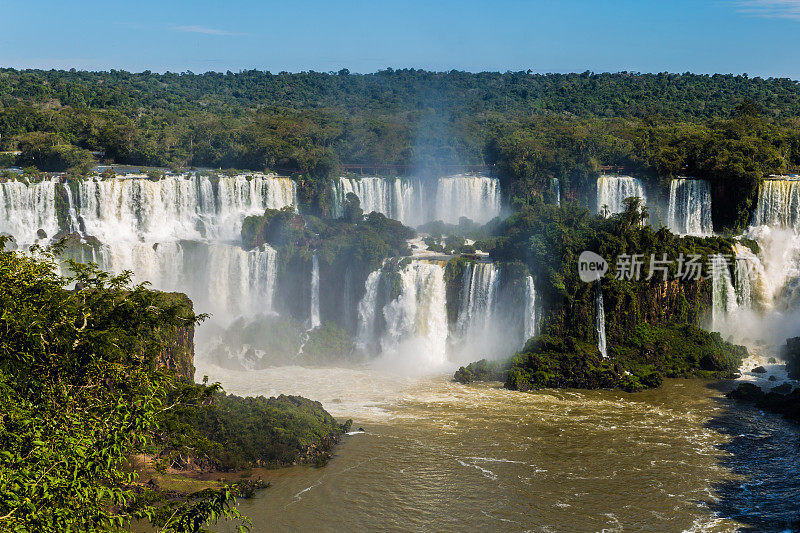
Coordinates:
<point>79,394</point>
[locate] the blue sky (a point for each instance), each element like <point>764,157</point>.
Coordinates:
<point>760,37</point>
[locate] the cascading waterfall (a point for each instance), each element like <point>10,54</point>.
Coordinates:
<point>723,295</point>
<point>689,211</point>
<point>314,319</point>
<point>368,311</point>
<point>416,321</point>
<point>415,334</point>
<point>751,284</point>
<point>475,197</point>
<point>178,207</point>
<point>74,225</point>
<point>557,190</point>
<point>531,311</point>
<point>600,319</point>
<point>766,286</point>
<point>221,279</point>
<point>778,204</point>
<point>27,208</point>
<point>476,333</point>
<point>396,198</point>
<point>478,293</point>
<point>414,202</point>
<point>613,190</point>
<point>173,232</point>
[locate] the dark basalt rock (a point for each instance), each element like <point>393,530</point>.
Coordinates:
<point>781,399</point>
<point>759,370</point>
<point>748,392</point>
<point>785,388</point>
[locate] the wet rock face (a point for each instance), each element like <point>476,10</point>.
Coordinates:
<point>178,352</point>
<point>791,354</point>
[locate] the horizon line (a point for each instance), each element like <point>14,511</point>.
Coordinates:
<point>529,72</point>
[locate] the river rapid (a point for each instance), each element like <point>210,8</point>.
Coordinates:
<point>440,456</point>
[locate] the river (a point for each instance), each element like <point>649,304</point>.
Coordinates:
<point>440,456</point>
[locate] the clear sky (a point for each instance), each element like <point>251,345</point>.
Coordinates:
<point>759,37</point>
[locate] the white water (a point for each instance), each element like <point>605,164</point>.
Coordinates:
<point>531,310</point>
<point>416,321</point>
<point>180,233</point>
<point>689,211</point>
<point>613,190</point>
<point>767,291</point>
<point>723,294</point>
<point>186,207</point>
<point>415,335</point>
<point>600,320</point>
<point>221,279</point>
<point>557,190</point>
<point>415,202</point>
<point>27,208</point>
<point>478,294</point>
<point>314,312</point>
<point>474,197</point>
<point>396,198</point>
<point>478,333</point>
<point>778,204</point>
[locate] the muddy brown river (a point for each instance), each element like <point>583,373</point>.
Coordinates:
<point>440,456</point>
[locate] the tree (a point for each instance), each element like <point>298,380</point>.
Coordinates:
<point>352,209</point>
<point>80,393</point>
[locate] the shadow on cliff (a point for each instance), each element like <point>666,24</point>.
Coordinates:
<point>763,454</point>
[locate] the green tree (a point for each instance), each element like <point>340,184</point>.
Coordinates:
<point>80,393</point>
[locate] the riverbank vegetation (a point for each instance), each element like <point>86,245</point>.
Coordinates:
<point>82,392</point>
<point>647,356</point>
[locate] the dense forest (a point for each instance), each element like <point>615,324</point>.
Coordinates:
<point>530,128</point>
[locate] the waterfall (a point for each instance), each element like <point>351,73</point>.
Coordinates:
<point>478,294</point>
<point>367,311</point>
<point>415,333</point>
<point>394,197</point>
<point>723,294</point>
<point>751,283</point>
<point>475,197</point>
<point>27,208</point>
<point>414,202</point>
<point>557,190</point>
<point>74,225</point>
<point>178,207</point>
<point>221,279</point>
<point>778,204</point>
<point>600,319</point>
<point>689,211</point>
<point>613,190</point>
<point>416,321</point>
<point>531,322</point>
<point>314,319</point>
